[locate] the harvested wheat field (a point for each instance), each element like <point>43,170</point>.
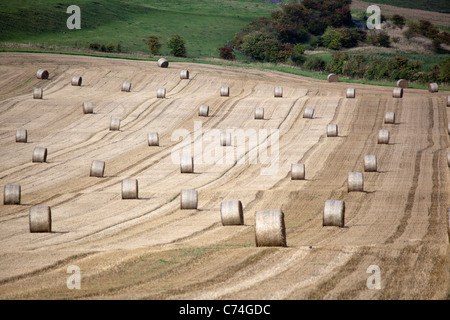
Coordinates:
<point>149,248</point>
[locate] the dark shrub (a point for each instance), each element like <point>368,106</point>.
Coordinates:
<point>315,63</point>
<point>226,52</point>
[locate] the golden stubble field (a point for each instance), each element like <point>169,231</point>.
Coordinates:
<point>148,248</point>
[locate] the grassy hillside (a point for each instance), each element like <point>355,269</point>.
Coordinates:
<point>205,24</point>
<point>428,5</point>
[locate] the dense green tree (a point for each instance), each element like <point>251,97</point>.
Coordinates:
<point>444,76</point>
<point>338,60</point>
<point>177,46</point>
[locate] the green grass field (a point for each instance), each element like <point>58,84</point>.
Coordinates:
<point>204,24</point>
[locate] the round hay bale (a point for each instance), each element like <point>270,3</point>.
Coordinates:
<point>224,91</point>
<point>161,93</point>
<point>40,219</point>
<point>448,158</point>
<point>448,101</point>
<point>163,63</point>
<point>334,213</point>
<point>129,189</point>
<point>332,130</point>
<point>270,230</point>
<point>126,86</point>
<point>297,171</point>
<point>97,168</point>
<point>188,199</point>
<point>153,139</point>
<point>42,74</point>
<point>231,213</point>
<point>370,163</point>
<point>76,80</point>
<point>11,194</point>
<point>383,136</point>
<point>278,92</point>
<point>355,181</point>
<point>389,117</point>
<point>309,113</point>
<point>87,107</point>
<point>433,87</point>
<point>187,164</point>
<point>39,154</point>
<point>402,83</point>
<point>350,93</point>
<point>259,113</point>
<point>184,74</point>
<point>225,139</point>
<point>21,135</point>
<point>114,124</point>
<point>397,93</point>
<point>203,111</point>
<point>38,93</point>
<point>332,78</point>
